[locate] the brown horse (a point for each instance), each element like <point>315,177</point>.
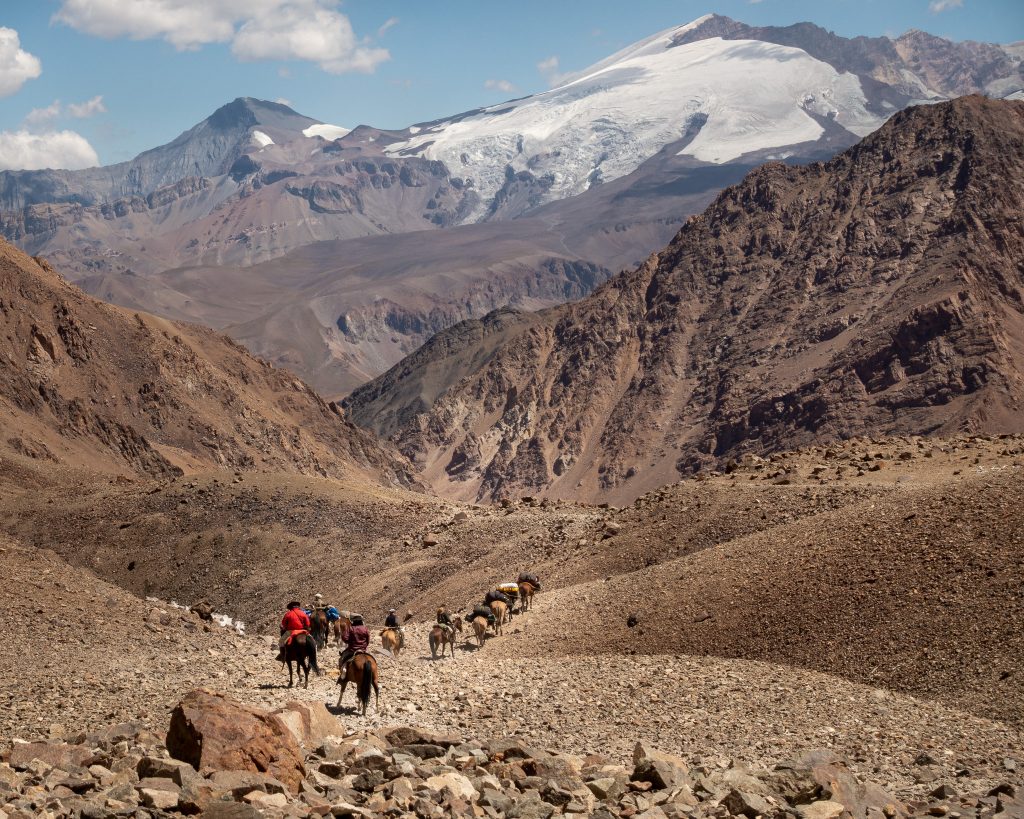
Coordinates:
<point>340,625</point>
<point>320,628</point>
<point>361,670</point>
<point>500,613</point>
<point>526,592</point>
<point>393,640</point>
<point>301,650</point>
<point>480,629</point>
<point>444,637</point>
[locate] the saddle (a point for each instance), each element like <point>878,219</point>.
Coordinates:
<point>299,635</point>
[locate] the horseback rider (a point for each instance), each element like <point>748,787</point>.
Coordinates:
<point>294,620</point>
<point>444,620</point>
<point>391,622</point>
<point>357,639</point>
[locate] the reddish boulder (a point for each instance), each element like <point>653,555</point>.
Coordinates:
<point>212,732</point>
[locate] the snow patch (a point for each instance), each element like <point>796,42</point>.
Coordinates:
<point>262,139</point>
<point>222,620</point>
<point>326,131</point>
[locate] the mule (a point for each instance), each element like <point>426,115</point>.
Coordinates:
<point>392,640</point>
<point>340,625</point>
<point>301,650</point>
<point>526,592</point>
<point>320,628</point>
<point>500,613</point>
<point>480,629</point>
<point>361,670</point>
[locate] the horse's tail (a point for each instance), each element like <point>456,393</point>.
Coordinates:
<point>366,680</point>
<point>311,653</point>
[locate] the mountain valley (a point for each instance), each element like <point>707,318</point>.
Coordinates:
<point>722,338</point>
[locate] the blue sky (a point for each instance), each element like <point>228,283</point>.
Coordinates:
<point>115,77</point>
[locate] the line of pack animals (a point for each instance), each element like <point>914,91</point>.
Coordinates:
<point>305,631</point>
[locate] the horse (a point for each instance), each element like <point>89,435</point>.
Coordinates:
<point>526,592</point>
<point>392,640</point>
<point>444,637</point>
<point>480,629</point>
<point>500,613</point>
<point>320,628</point>
<point>301,649</point>
<point>339,626</point>
<point>362,670</point>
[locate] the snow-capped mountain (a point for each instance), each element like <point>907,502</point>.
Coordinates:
<point>596,173</point>
<point>723,98</point>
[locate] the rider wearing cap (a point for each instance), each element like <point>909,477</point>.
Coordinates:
<point>295,619</point>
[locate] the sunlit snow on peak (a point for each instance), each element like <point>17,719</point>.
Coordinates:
<point>262,139</point>
<point>326,131</point>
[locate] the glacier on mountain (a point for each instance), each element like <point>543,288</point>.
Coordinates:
<point>738,95</point>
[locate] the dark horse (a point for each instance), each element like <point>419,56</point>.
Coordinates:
<point>362,670</point>
<point>301,650</point>
<point>321,628</point>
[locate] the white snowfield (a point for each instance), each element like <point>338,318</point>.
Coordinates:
<point>326,131</point>
<point>603,122</point>
<point>262,139</point>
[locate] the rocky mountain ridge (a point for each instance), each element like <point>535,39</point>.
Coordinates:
<point>258,184</point>
<point>879,291</point>
<point>93,388</point>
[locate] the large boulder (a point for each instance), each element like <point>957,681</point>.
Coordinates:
<point>212,732</point>
<point>821,776</point>
<point>663,771</point>
<point>310,723</point>
<point>54,754</point>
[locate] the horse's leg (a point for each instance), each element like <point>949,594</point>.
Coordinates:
<point>289,673</point>
<point>341,693</point>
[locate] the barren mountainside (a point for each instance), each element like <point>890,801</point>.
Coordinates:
<point>881,292</point>
<point>89,386</point>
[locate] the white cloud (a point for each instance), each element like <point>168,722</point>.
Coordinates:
<point>937,6</point>
<point>24,150</point>
<point>89,108</point>
<point>387,25</point>
<point>307,31</point>
<point>310,30</point>
<point>283,101</point>
<point>500,85</point>
<point>17,66</point>
<point>43,117</point>
<point>549,69</point>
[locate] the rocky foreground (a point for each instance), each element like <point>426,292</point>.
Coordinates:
<point>224,759</point>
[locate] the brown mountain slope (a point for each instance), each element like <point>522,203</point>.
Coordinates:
<point>881,291</point>
<point>886,577</point>
<point>85,385</point>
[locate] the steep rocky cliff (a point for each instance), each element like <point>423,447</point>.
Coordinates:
<point>879,292</point>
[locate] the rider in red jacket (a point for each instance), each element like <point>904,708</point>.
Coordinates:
<point>296,619</point>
